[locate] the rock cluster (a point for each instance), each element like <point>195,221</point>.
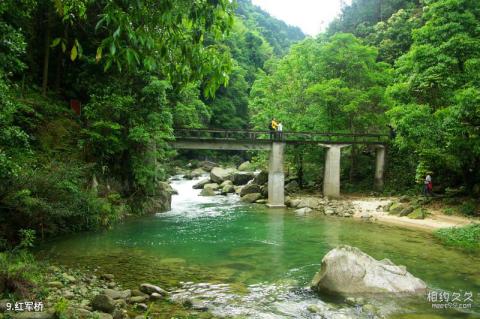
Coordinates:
<point>90,296</point>
<point>405,206</point>
<point>250,186</point>
<point>307,205</point>
<point>114,302</point>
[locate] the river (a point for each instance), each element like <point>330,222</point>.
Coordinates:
<point>248,261</point>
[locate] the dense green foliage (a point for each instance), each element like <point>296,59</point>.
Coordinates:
<point>254,39</point>
<point>278,34</point>
<point>427,89</point>
<point>466,237</point>
<point>139,69</point>
<point>130,64</point>
<point>324,85</point>
<point>436,93</point>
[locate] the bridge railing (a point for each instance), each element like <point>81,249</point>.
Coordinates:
<point>287,136</point>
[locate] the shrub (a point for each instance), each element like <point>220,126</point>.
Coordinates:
<point>61,308</point>
<point>53,199</point>
<point>468,208</point>
<point>449,211</point>
<point>19,272</point>
<point>467,236</point>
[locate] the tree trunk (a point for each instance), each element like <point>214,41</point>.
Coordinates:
<point>353,155</point>
<point>353,165</point>
<point>299,164</point>
<point>46,57</point>
<point>58,72</point>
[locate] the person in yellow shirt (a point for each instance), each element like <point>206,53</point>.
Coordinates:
<point>273,128</point>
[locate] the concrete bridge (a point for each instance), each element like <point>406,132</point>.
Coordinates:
<point>248,140</point>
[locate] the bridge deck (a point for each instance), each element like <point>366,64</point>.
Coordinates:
<point>261,139</point>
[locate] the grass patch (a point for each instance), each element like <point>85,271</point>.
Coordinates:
<point>468,208</point>
<point>19,274</point>
<point>465,237</point>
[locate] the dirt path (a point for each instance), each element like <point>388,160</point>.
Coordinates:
<point>435,220</point>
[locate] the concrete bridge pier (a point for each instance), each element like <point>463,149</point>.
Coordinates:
<point>331,176</point>
<point>379,167</point>
<point>276,176</point>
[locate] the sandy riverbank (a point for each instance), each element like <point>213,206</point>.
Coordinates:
<point>365,206</point>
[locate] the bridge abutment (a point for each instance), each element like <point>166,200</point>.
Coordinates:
<point>331,176</point>
<point>276,176</point>
<point>379,167</point>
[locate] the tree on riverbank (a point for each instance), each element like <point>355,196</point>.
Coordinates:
<point>324,85</point>
<point>137,69</point>
<point>338,82</point>
<point>130,64</point>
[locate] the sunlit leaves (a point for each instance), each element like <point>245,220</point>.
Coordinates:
<point>167,37</point>
<point>73,53</point>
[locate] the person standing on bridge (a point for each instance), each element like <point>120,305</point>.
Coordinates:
<point>280,130</point>
<point>273,128</point>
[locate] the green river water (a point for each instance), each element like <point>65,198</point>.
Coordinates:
<point>258,252</point>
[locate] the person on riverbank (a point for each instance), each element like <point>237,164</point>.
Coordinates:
<point>280,130</point>
<point>273,128</point>
<point>427,187</point>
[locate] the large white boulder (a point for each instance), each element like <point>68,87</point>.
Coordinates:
<point>348,270</point>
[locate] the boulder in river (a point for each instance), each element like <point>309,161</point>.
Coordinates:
<point>245,167</point>
<point>207,165</point>
<point>242,178</point>
<point>196,173</point>
<point>249,189</point>
<point>218,174</point>
<point>207,192</point>
<point>212,186</point>
<point>150,289</point>
<point>348,270</point>
<point>261,178</point>
<point>117,294</point>
<point>138,299</point>
<point>201,183</point>
<point>161,201</point>
<point>251,198</point>
<point>227,189</point>
<point>103,303</point>
<point>225,183</point>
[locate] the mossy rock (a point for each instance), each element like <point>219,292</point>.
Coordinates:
<point>407,211</point>
<point>420,201</point>
<point>418,213</point>
<point>396,208</point>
